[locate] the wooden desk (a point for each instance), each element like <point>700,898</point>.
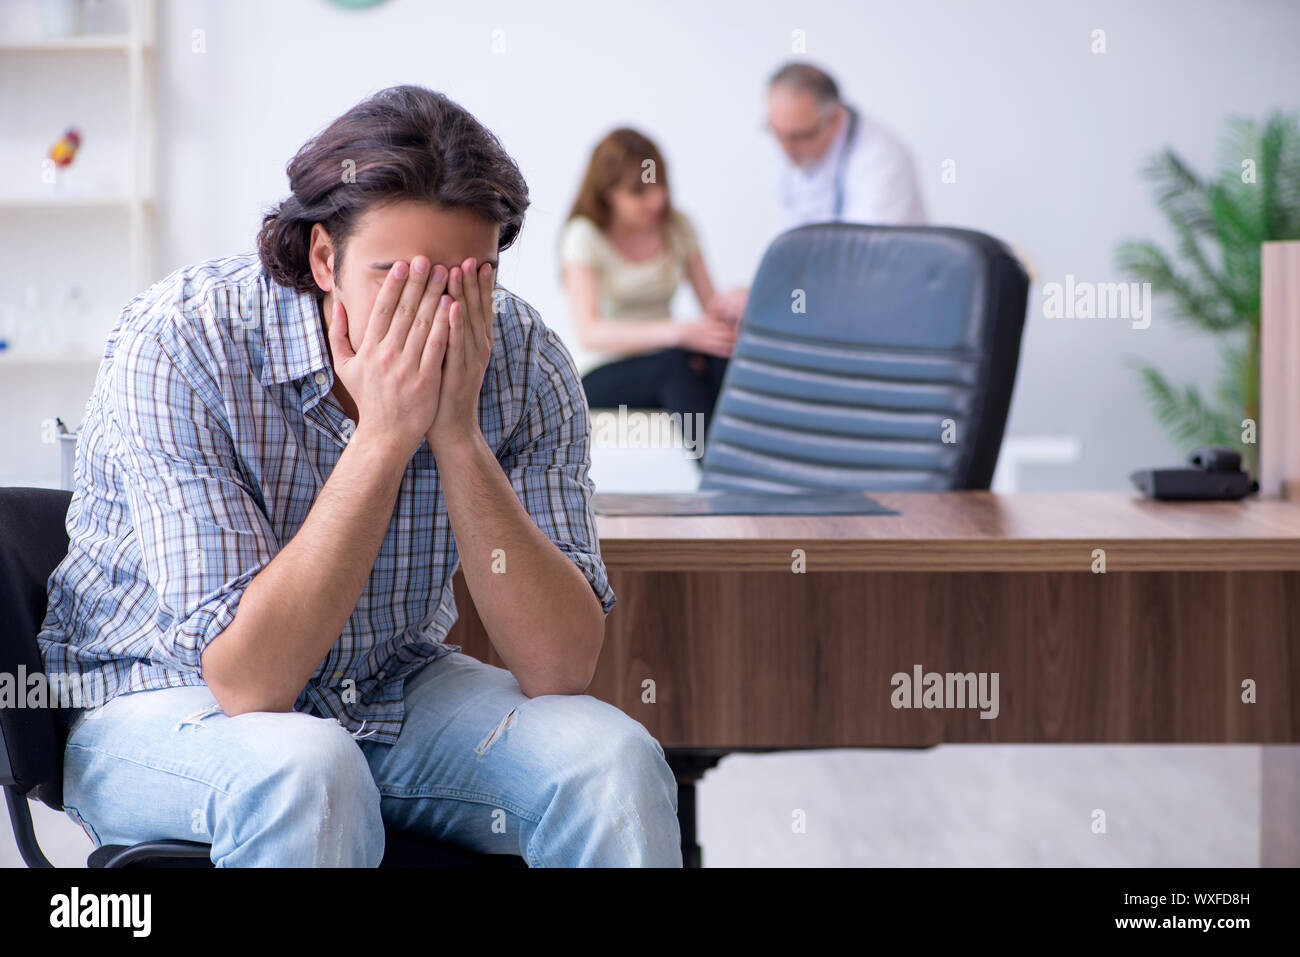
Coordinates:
<point>1195,599</point>
<point>745,654</point>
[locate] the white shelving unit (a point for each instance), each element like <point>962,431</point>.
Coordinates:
<point>137,45</point>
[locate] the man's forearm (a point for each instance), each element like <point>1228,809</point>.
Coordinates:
<point>295,608</point>
<point>541,614</point>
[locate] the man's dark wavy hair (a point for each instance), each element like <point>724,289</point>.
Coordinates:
<point>405,142</point>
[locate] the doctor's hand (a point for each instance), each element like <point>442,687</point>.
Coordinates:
<point>470,310</point>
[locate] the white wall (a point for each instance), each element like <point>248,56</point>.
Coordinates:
<point>1048,139</point>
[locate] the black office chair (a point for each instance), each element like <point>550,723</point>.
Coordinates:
<point>870,357</point>
<point>33,540</point>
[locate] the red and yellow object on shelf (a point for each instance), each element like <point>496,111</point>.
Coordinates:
<point>65,149</point>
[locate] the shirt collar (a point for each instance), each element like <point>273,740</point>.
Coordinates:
<point>293,337</point>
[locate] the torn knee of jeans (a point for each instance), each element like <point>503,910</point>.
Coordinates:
<point>198,716</point>
<point>361,732</point>
<point>358,734</point>
<point>502,727</point>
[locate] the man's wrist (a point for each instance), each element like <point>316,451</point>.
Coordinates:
<point>381,449</point>
<point>453,443</point>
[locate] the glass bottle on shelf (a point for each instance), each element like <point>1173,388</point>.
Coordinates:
<point>8,328</point>
<point>37,336</point>
<point>71,321</point>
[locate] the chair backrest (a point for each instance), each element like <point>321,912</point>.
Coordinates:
<point>33,540</point>
<point>871,357</point>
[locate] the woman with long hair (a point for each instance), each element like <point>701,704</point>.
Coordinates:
<point>624,251</point>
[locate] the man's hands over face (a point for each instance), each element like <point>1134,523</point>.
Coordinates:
<point>394,374</point>
<point>469,348</point>
<point>420,368</point>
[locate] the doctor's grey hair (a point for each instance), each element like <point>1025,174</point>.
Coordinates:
<point>808,79</point>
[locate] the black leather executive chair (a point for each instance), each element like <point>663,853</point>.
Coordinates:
<point>896,374</point>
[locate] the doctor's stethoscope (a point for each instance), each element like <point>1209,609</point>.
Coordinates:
<point>842,161</point>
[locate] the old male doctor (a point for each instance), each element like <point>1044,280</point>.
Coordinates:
<point>835,164</point>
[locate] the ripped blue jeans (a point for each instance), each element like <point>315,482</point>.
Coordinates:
<point>561,780</point>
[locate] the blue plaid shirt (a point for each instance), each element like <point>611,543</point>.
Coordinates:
<point>209,435</point>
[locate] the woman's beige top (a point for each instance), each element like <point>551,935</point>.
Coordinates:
<point>640,289</point>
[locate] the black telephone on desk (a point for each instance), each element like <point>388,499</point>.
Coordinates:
<point>1216,474</point>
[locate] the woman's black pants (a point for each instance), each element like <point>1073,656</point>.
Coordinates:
<point>675,380</point>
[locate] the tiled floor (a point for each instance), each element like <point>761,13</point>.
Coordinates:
<point>961,805</point>
<point>984,805</point>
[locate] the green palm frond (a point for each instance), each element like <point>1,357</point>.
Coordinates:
<point>1184,413</point>
<point>1235,378</point>
<point>1196,302</point>
<point>1212,275</point>
<point>1275,150</point>
<point>1179,191</point>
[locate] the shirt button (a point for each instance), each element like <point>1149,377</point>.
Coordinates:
<point>320,378</point>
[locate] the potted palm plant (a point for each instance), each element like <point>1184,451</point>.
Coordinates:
<point>1212,277</point>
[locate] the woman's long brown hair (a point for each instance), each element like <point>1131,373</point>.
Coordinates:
<point>619,158</point>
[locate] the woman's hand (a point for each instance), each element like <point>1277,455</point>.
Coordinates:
<point>717,337</point>
<point>469,347</point>
<point>729,305</point>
